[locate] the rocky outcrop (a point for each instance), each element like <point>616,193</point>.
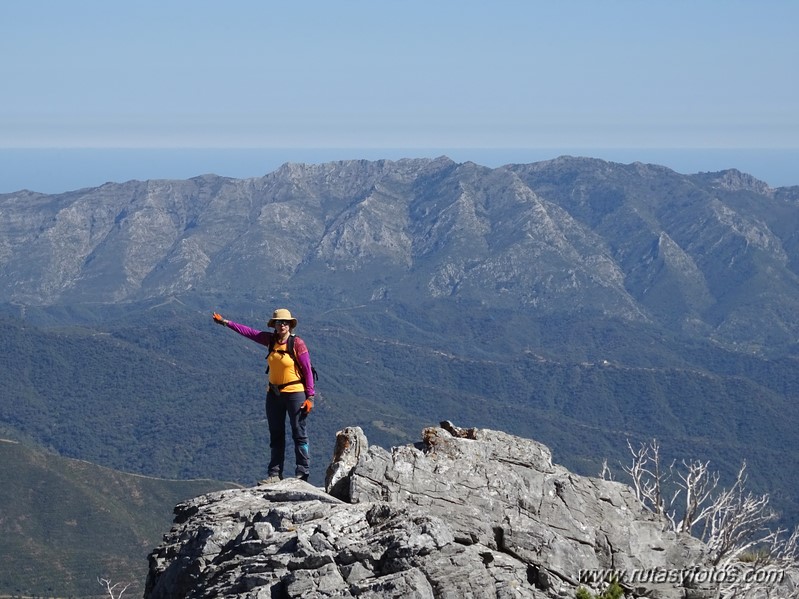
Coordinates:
<point>503,493</point>
<point>463,513</point>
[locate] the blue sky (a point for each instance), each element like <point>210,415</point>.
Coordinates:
<point>410,74</point>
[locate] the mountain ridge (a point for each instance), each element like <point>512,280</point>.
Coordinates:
<point>557,236</point>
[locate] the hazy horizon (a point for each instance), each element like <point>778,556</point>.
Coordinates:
<point>59,170</point>
<point>100,91</point>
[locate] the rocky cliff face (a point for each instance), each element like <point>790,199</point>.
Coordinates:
<point>463,513</point>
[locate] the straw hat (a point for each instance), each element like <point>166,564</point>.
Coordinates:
<point>282,314</point>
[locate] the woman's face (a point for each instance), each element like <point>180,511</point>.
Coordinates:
<point>281,327</point>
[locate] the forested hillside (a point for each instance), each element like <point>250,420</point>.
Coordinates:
<point>67,522</point>
<point>167,393</point>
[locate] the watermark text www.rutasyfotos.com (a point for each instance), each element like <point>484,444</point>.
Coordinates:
<point>684,576</point>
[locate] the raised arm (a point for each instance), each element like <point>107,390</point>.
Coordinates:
<point>262,337</point>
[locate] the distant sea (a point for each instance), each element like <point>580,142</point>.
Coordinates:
<point>59,170</point>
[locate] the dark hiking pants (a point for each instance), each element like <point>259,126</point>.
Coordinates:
<point>278,406</point>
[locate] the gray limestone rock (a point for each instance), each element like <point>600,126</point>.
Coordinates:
<point>504,493</point>
<point>465,513</point>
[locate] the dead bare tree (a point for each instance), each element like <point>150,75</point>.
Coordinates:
<point>605,473</point>
<point>735,522</point>
<point>697,485</point>
<point>730,521</point>
<point>649,479</point>
<point>111,588</point>
<point>767,569</point>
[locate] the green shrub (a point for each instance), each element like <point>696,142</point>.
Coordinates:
<point>614,591</point>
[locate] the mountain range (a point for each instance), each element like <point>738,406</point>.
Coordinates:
<point>712,255</point>
<point>579,302</point>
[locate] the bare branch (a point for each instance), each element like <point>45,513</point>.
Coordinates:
<point>771,562</point>
<point>732,520</point>
<point>104,582</point>
<point>735,521</point>
<point>605,473</point>
<point>649,480</point>
<point>698,486</point>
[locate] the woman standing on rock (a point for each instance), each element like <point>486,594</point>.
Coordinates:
<point>290,391</point>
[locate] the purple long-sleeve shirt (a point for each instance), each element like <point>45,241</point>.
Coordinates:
<point>300,351</point>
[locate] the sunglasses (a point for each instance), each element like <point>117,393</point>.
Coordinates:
<point>282,322</point>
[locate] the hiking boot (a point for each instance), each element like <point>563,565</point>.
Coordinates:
<point>270,480</point>
<point>301,477</point>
